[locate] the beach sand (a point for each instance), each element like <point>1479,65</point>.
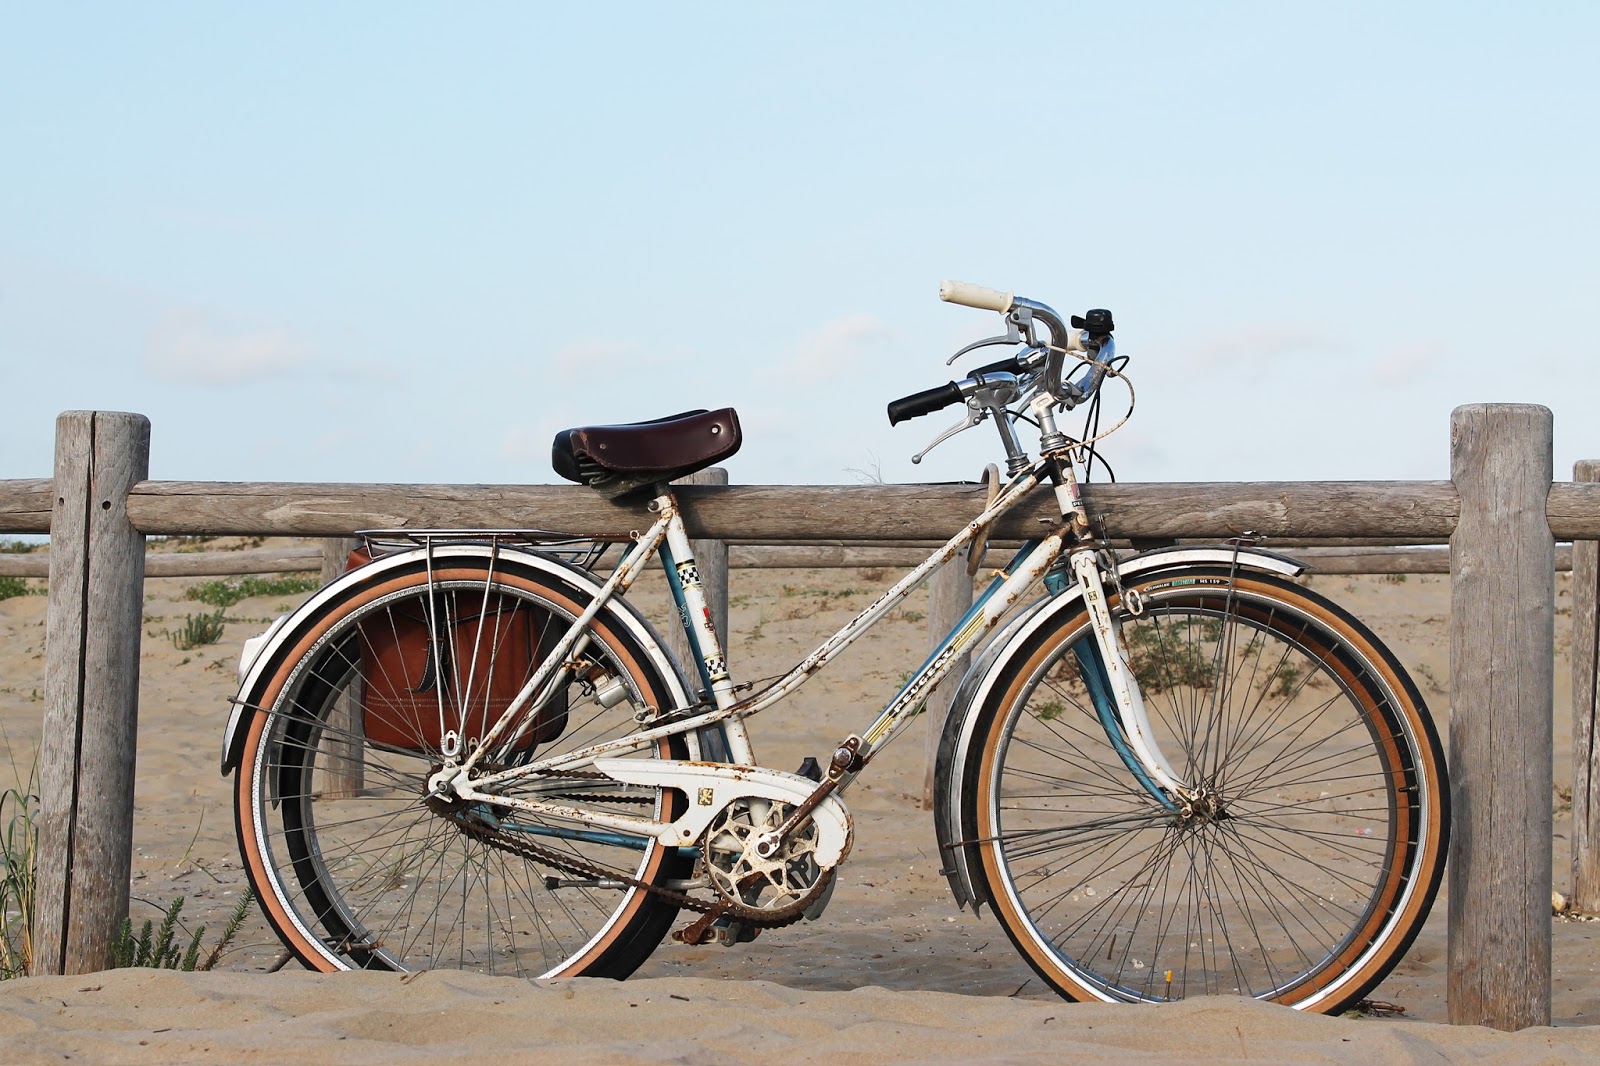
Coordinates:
<point>893,972</point>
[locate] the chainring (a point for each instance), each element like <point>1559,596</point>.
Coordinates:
<point>752,886</point>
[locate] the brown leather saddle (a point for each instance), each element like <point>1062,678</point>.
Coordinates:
<point>617,461</point>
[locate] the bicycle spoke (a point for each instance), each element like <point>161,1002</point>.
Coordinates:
<point>1269,873</point>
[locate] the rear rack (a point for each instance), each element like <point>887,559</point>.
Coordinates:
<point>568,547</point>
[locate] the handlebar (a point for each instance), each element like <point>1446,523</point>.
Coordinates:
<point>1036,375</point>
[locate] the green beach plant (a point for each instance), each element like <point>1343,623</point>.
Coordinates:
<point>159,947</point>
<point>199,629</point>
<point>20,842</point>
<point>225,592</point>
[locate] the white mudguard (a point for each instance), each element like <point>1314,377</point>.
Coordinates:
<point>712,786</point>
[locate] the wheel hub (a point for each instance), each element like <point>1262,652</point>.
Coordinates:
<point>1203,808</point>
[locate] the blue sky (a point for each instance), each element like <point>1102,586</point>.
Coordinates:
<point>407,242</point>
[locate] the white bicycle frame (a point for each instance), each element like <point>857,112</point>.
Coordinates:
<point>1131,731</point>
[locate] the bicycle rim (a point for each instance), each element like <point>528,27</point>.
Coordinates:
<point>1312,859</point>
<point>353,867</point>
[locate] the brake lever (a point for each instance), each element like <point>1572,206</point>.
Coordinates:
<point>1010,338</point>
<point>973,417</point>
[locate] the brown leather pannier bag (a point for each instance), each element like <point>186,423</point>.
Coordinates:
<point>403,671</point>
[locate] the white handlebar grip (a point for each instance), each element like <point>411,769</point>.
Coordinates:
<point>970,295</point>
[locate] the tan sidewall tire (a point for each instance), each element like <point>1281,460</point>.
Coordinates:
<point>622,923</point>
<point>1431,829</point>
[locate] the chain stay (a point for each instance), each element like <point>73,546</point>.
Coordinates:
<point>572,864</point>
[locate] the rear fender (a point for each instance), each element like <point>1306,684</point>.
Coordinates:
<point>264,655</point>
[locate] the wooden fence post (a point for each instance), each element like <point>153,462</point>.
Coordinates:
<point>949,598</point>
<point>711,558</point>
<point>346,770</point>
<point>86,756</point>
<point>1502,651</point>
<point>1585,895</point>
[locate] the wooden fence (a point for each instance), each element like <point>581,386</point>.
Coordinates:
<point>1354,559</point>
<point>1500,514</point>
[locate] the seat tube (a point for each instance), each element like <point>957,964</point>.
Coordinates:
<point>703,639</point>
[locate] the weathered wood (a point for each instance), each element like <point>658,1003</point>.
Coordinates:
<point>949,597</point>
<point>1585,712</point>
<point>25,505</point>
<point>186,564</point>
<point>1325,560</point>
<point>823,557</point>
<point>346,768</point>
<point>24,564</point>
<point>711,559</point>
<point>1396,560</point>
<point>1423,511</point>
<point>1502,653</point>
<point>86,757</point>
<point>1396,511</point>
<point>1573,509</point>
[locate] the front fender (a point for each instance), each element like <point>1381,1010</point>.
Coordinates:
<point>953,822</point>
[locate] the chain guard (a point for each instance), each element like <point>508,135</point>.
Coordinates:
<point>518,844</point>
<point>714,790</point>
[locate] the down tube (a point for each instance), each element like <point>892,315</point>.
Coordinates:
<point>1024,571</point>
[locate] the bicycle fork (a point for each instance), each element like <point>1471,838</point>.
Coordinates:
<point>1107,672</point>
<point>1105,664</point>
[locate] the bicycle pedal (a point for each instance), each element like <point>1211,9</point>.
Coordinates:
<point>809,769</point>
<point>729,932</point>
<point>697,932</point>
<point>708,928</point>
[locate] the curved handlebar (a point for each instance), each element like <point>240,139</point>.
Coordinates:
<point>1039,371</point>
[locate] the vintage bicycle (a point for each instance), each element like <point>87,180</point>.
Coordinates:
<point>1168,773</point>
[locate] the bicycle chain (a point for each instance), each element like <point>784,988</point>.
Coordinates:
<point>756,916</point>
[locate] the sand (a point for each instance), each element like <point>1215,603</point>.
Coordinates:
<point>893,972</point>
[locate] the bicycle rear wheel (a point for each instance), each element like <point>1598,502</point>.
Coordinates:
<point>357,869</point>
<point>1311,858</point>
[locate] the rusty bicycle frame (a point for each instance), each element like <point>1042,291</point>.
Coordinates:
<point>668,538</point>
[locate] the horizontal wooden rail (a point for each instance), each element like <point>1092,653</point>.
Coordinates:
<point>25,505</point>
<point>1416,511</point>
<point>1322,560</point>
<point>783,513</point>
<point>187,564</point>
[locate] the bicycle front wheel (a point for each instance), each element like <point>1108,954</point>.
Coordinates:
<point>357,867</point>
<point>1312,852</point>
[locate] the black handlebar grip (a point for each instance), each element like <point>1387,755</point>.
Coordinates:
<point>923,403</point>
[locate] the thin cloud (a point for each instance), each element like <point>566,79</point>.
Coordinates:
<point>833,350</point>
<point>527,447</point>
<point>185,346</point>
<point>1261,346</point>
<point>580,362</point>
<point>1408,364</point>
